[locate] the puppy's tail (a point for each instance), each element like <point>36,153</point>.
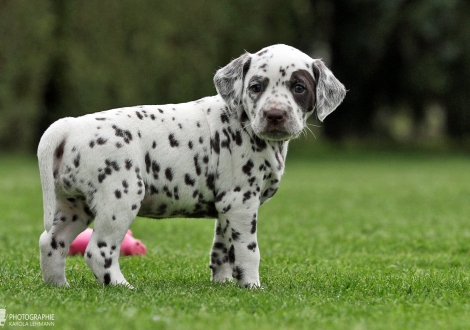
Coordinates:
<point>50,152</point>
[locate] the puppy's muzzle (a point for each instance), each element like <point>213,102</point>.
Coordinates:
<point>276,125</point>
<point>275,117</point>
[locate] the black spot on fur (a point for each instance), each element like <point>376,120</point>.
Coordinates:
<point>224,118</point>
<point>227,208</point>
<point>252,246</point>
<point>101,177</point>
<point>76,161</point>
<point>246,196</point>
<point>108,262</point>
<point>253,225</point>
<point>102,244</point>
<point>258,144</point>
<point>226,142</point>
<point>219,246</point>
<point>125,134</point>
<point>210,181</point>
<point>101,141</point>
<point>169,174</point>
<point>175,193</point>
<point>215,143</point>
<point>133,207</point>
<point>167,191</point>
<point>139,115</point>
<point>128,164</point>
<point>173,141</point>
<point>248,167</point>
<point>188,180</point>
<point>196,164</point>
<point>153,190</point>
<point>118,194</point>
<point>59,151</point>
<point>107,278</point>
<point>155,169</point>
<point>231,255</point>
<point>147,162</point>
<point>238,138</point>
<point>235,235</point>
<point>219,196</point>
<point>54,243</point>
<point>112,164</point>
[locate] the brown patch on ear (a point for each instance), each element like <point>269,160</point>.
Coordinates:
<point>305,100</point>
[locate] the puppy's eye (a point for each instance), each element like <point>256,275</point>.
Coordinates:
<point>299,88</point>
<point>256,88</point>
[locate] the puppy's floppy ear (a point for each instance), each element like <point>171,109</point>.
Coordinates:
<point>330,92</point>
<point>229,80</point>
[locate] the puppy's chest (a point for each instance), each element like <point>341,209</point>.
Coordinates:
<point>198,181</point>
<point>179,181</point>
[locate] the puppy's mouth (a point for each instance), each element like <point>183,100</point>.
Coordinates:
<point>276,135</point>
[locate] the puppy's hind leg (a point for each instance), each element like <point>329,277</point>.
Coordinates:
<point>112,221</point>
<point>71,217</point>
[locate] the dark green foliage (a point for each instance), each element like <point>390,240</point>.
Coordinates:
<point>66,58</point>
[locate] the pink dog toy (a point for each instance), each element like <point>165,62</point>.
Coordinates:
<point>130,246</point>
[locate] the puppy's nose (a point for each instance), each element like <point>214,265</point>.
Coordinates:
<point>275,116</point>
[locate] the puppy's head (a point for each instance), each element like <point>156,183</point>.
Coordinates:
<point>277,89</point>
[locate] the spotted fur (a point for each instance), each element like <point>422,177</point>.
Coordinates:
<point>218,157</point>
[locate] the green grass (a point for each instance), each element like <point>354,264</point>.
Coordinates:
<point>351,241</point>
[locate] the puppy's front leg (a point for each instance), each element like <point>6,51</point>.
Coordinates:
<point>243,255</point>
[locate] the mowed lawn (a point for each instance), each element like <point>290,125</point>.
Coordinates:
<point>361,241</point>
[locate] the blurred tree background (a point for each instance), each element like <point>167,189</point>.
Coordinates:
<point>405,63</point>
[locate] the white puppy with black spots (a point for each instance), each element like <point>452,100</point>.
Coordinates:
<point>219,157</point>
